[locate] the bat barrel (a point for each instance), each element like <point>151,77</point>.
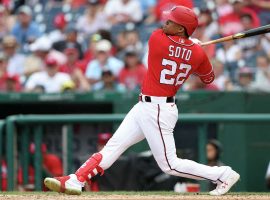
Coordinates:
<point>244,34</point>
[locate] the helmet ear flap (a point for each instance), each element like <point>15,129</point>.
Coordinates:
<point>186,33</point>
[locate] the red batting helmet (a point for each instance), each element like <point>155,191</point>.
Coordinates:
<point>184,17</point>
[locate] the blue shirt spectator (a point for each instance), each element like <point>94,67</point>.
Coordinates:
<point>104,61</point>
<point>146,5</point>
<point>25,30</point>
<point>94,68</point>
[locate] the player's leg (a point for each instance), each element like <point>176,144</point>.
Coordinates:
<point>127,134</point>
<point>158,124</point>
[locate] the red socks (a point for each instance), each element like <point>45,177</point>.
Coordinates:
<point>90,168</point>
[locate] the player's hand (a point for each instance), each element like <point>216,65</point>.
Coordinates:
<point>196,41</point>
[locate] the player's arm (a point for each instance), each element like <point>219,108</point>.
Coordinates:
<point>205,70</point>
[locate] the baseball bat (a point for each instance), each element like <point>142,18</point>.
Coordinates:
<point>244,34</point>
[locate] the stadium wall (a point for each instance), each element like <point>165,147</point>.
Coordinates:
<point>245,147</point>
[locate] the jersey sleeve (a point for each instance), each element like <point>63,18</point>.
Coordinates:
<point>205,71</point>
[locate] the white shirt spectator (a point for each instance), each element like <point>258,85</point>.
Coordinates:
<point>220,82</point>
<point>56,36</point>
<point>229,55</point>
<point>265,42</point>
<point>262,80</point>
<point>211,30</point>
<point>15,64</point>
<point>50,84</point>
<point>132,9</point>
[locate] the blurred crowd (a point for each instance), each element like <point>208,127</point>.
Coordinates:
<point>89,45</point>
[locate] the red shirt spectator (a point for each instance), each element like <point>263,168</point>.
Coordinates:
<point>73,62</point>
<point>133,73</point>
<point>231,23</point>
<point>75,68</point>
<point>10,83</point>
<point>168,4</point>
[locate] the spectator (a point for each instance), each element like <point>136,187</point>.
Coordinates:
<point>262,76</point>
<point>80,3</point>
<point>245,80</point>
<point>41,48</point>
<point>230,23</point>
<point>12,83</point>
<point>108,83</point>
<point>223,8</point>
<point>132,40</point>
<point>103,61</point>
<point>123,11</point>
<point>75,68</point>
<point>213,152</point>
<point>148,9</point>
<point>51,166</point>
<point>263,7</point>
<point>50,80</point>
<point>128,39</point>
<point>222,81</point>
<point>71,38</point>
<point>231,55</point>
<point>90,53</point>
<point>15,60</point>
<point>3,71</point>
<point>93,20</point>
<point>35,61</point>
<point>60,23</point>
<point>249,45</point>
<point>4,18</point>
<point>134,71</point>
<point>265,43</point>
<point>25,30</point>
<point>211,26</point>
<point>51,163</point>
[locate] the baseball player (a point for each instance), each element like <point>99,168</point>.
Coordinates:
<point>172,58</point>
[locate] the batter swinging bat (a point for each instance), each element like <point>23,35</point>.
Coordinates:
<point>244,34</point>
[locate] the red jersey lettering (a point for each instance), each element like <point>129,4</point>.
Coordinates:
<point>171,60</point>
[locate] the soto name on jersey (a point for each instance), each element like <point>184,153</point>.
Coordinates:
<point>180,52</point>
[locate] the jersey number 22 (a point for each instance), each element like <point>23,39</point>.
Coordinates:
<point>171,72</point>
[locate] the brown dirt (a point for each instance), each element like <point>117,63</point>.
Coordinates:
<point>131,197</point>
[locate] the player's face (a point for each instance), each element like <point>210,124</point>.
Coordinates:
<point>171,28</point>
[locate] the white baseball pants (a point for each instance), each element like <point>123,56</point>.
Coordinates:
<point>156,123</point>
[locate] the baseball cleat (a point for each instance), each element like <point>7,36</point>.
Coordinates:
<point>65,184</point>
<point>223,188</point>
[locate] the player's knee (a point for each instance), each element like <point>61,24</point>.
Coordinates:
<point>166,169</point>
<point>169,172</point>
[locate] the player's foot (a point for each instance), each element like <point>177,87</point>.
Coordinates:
<point>223,188</point>
<point>65,184</point>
